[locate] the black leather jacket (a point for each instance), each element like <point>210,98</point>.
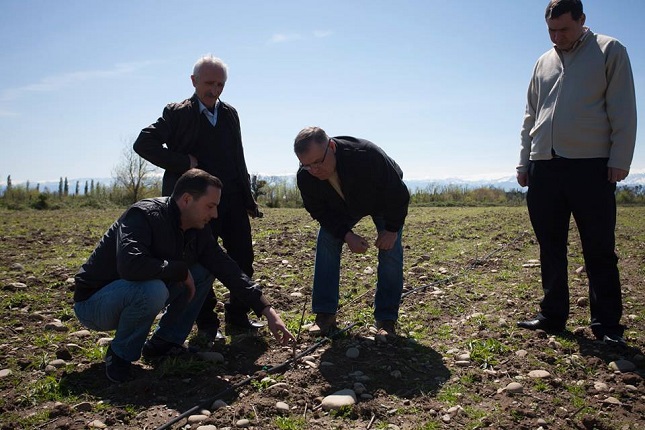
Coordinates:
<point>372,184</point>
<point>146,243</point>
<point>178,129</point>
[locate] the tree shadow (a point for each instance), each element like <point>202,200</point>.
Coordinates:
<point>400,367</point>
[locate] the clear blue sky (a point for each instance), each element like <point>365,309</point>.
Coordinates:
<point>439,85</point>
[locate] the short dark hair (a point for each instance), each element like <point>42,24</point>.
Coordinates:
<point>557,8</point>
<point>307,136</point>
<point>195,182</point>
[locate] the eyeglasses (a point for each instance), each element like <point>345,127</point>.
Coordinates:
<point>316,164</point>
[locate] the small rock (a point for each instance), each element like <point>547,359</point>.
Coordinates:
<point>521,353</point>
<point>352,353</point>
<point>339,399</point>
<point>81,333</point>
<point>15,286</point>
<point>446,418</point>
<point>539,374</point>
<point>368,271</point>
<point>193,419</point>
<point>63,353</point>
<point>97,424</point>
<point>282,407</point>
<point>600,386</point>
<point>56,326</point>
<point>218,404</point>
<point>58,363</point>
<point>580,270</point>
<point>83,407</point>
<point>243,423</point>
<point>17,266</point>
<point>104,341</point>
<point>514,388</point>
<point>612,401</point>
<point>207,427</point>
<point>359,388</point>
<point>462,363</point>
<point>5,372</point>
<point>622,366</point>
<point>582,302</point>
<point>396,374</point>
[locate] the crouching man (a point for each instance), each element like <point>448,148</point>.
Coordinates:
<point>159,254</point>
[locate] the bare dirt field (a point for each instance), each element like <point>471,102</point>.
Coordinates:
<point>459,363</point>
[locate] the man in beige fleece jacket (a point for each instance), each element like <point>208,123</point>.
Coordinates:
<point>578,140</point>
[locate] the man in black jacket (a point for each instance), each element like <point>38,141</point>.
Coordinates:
<point>204,132</point>
<point>342,180</point>
<point>159,254</point>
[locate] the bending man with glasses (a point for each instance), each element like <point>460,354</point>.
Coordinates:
<point>342,180</point>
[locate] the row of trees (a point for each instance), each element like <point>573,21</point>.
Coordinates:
<point>134,178</point>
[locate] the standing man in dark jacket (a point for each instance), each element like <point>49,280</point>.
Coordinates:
<point>342,180</point>
<point>204,132</point>
<point>158,253</point>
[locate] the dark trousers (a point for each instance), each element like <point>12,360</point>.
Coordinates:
<point>233,227</point>
<point>557,189</point>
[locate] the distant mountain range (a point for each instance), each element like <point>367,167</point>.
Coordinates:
<point>507,183</point>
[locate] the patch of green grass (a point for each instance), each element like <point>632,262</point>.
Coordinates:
<point>486,352</point>
<point>432,425</point>
<point>540,385</point>
<point>577,395</point>
<point>290,423</point>
<point>346,412</point>
<point>444,332</point>
<point>450,394</point>
<point>48,388</point>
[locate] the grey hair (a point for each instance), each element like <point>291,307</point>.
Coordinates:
<point>209,59</point>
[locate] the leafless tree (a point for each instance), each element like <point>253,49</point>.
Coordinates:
<point>133,174</point>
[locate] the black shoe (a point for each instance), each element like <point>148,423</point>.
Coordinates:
<point>614,340</point>
<point>116,368</point>
<point>541,324</point>
<point>155,348</point>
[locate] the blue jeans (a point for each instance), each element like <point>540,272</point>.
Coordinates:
<point>389,284</point>
<point>130,308</point>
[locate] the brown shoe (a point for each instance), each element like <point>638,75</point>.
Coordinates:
<point>325,324</point>
<point>385,328</point>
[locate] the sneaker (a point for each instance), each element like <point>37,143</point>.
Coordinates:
<point>385,328</point>
<point>325,324</point>
<point>155,348</point>
<point>614,340</point>
<point>116,368</point>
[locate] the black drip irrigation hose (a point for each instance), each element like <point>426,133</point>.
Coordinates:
<point>206,403</point>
